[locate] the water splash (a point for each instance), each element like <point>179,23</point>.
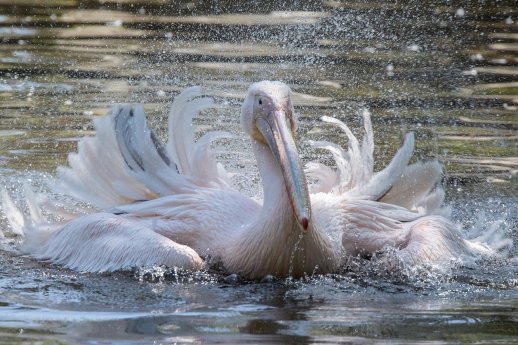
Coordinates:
<point>294,251</point>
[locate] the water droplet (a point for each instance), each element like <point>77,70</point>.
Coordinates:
<point>460,12</point>
<point>160,93</point>
<point>390,70</point>
<point>477,57</point>
<point>414,48</point>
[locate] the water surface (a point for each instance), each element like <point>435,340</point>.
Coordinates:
<point>446,71</point>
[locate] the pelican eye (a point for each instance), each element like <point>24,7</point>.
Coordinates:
<point>260,101</point>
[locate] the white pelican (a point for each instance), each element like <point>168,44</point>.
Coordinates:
<point>174,205</point>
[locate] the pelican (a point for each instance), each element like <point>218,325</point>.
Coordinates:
<point>173,204</point>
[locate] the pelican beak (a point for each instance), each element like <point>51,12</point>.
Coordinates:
<point>277,134</point>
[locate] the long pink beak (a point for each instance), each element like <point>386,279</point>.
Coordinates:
<point>275,130</point>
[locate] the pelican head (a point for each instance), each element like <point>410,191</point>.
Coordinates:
<point>268,117</point>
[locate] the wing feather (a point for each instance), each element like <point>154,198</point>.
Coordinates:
<point>414,185</point>
<point>396,183</point>
<point>382,181</point>
<point>103,242</point>
<point>125,161</point>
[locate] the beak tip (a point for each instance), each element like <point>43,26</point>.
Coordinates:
<point>304,221</point>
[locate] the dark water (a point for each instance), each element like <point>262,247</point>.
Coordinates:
<point>445,70</point>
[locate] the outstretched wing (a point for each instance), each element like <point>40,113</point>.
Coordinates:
<point>125,161</point>
<point>189,201</point>
<point>393,207</point>
<point>411,186</point>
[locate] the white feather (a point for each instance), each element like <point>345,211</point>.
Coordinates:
<point>414,185</point>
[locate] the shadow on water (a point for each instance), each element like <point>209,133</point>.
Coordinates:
<point>445,70</point>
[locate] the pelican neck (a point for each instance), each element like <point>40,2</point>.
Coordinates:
<point>275,195</point>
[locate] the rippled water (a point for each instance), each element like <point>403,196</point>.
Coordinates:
<point>447,71</point>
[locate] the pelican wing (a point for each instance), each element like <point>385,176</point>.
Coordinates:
<point>165,204</point>
<point>104,242</point>
<point>411,186</point>
<point>175,230</point>
<point>125,161</point>
<point>394,207</point>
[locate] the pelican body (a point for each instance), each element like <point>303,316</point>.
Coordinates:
<point>173,204</point>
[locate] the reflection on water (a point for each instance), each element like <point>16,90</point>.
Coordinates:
<point>444,70</point>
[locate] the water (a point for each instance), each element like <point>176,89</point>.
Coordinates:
<point>446,71</point>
